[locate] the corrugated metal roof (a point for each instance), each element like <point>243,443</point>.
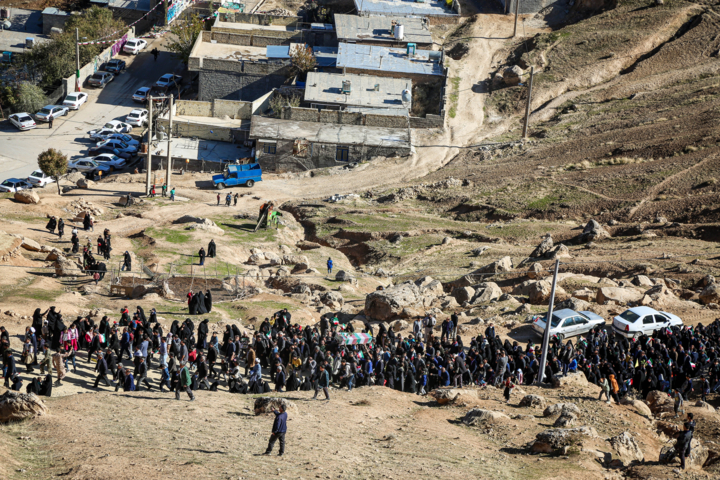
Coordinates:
<point>352,27</point>
<point>372,57</point>
<point>278,51</point>
<point>403,8</point>
<point>324,56</point>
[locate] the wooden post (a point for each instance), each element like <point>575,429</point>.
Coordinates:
<point>529,100</point>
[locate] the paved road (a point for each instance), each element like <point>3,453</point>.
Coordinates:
<point>19,150</point>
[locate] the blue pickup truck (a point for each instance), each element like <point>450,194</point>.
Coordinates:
<point>246,174</point>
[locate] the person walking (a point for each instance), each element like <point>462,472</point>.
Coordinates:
<point>141,374</point>
<point>102,370</point>
<point>604,389</point>
<point>50,121</point>
<point>201,254</point>
<point>235,198</point>
<point>682,445</point>
<point>154,52</point>
<point>127,262</point>
<point>329,266</point>
<point>509,385</point>
<point>279,429</point>
<point>184,383</point>
<point>218,199</point>
<point>61,228</point>
<point>172,194</point>
<point>164,190</point>
<point>323,383</point>
<point>679,401</point>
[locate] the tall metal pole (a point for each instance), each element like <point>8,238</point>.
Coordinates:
<point>529,100</point>
<point>169,156</point>
<point>77,60</point>
<point>517,7</point>
<point>148,163</point>
<point>548,321</point>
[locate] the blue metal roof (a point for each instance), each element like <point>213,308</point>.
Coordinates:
<point>403,8</point>
<point>278,51</point>
<point>372,57</point>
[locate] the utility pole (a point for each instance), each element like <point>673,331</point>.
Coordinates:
<point>529,100</point>
<point>517,7</point>
<point>548,321</point>
<point>77,60</point>
<point>169,156</point>
<point>148,164</point>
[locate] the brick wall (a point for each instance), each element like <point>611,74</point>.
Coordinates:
<point>231,86</point>
<point>232,109</point>
<point>193,108</point>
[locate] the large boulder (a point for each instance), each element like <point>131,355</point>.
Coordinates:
<point>512,76</point>
<point>294,259</point>
<point>619,295</point>
<point>627,447</point>
<point>65,267</point>
<point>265,405</point>
<point>659,402</point>
<point>710,294</point>
<point>463,294</point>
<point>535,270</point>
<point>642,408</point>
<point>593,232</point>
<point>486,293</point>
<point>139,291</point>
<point>532,401</point>
<point>545,246</point>
<point>257,259</point>
<point>84,183</point>
<point>698,454</point>
<point>560,251</point>
<point>333,300</point>
<point>539,292</point>
<point>503,265</point>
<point>573,304</point>
<point>389,303</point>
<point>572,379</point>
<point>27,196</point>
<point>478,416</point>
<point>54,254</point>
<point>273,258</point>
<point>343,276</point>
<point>16,406</point>
<point>29,244</point>
<point>554,439</point>
<point>568,416</point>
<point>642,281</point>
<point>433,289</point>
<point>444,396</point>
<point>557,408</point>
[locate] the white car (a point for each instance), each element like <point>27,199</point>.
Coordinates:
<point>141,95</point>
<point>109,159</point>
<point>168,80</point>
<point>124,138</point>
<point>39,179</point>
<point>568,323</point>
<point>51,111</point>
<point>113,126</point>
<point>636,321</point>
<point>74,100</point>
<point>87,165</point>
<point>134,46</point>
<point>138,117</point>
<point>23,121</point>
<point>14,185</point>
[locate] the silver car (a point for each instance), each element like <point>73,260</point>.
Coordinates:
<point>51,111</point>
<point>568,323</point>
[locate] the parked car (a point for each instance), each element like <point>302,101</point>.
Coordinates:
<point>168,80</point>
<point>23,121</point>
<point>39,179</point>
<point>138,117</point>
<point>113,126</point>
<point>115,162</point>
<point>85,165</point>
<point>115,66</point>
<point>51,111</point>
<point>141,94</point>
<point>100,149</point>
<point>74,100</point>
<point>246,174</point>
<point>14,185</point>
<point>100,79</point>
<point>636,321</point>
<point>123,138</point>
<point>119,145</point>
<point>134,46</point>
<point>568,323</point>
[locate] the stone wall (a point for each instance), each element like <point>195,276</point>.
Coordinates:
<point>259,19</point>
<point>231,86</point>
<point>232,109</point>
<point>193,108</point>
<point>299,114</point>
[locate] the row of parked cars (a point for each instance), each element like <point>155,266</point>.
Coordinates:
<point>632,323</point>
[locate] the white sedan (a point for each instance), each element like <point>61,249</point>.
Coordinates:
<point>51,111</point>
<point>134,46</point>
<point>113,126</point>
<point>39,179</point>
<point>74,100</point>
<point>23,121</point>
<point>14,185</point>
<point>637,321</point>
<point>109,159</point>
<point>138,117</point>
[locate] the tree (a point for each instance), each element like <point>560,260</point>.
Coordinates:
<point>185,35</point>
<point>29,98</point>
<point>54,164</point>
<point>278,101</point>
<point>302,59</point>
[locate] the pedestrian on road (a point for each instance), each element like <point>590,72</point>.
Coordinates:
<point>50,121</point>
<point>155,53</point>
<point>279,429</point>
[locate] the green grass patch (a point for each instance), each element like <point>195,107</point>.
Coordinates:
<point>454,96</point>
<point>542,203</point>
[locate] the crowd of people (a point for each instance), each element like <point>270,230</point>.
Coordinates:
<point>681,361</point>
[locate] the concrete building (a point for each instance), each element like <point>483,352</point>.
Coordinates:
<point>420,65</point>
<point>197,155</point>
<point>235,72</point>
<point>259,35</point>
<point>358,93</point>
<point>25,24</point>
<point>381,31</point>
<point>290,146</point>
<point>53,18</point>
<point>436,11</point>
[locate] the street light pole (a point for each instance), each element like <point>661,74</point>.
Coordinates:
<point>77,60</point>
<point>148,163</point>
<point>169,136</point>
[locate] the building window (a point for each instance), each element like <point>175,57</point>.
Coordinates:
<point>342,154</point>
<point>269,148</point>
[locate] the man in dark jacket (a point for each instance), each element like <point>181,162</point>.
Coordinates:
<point>10,368</point>
<point>459,370</point>
<point>278,431</point>
<point>141,374</point>
<point>102,370</point>
<point>323,383</point>
<point>184,383</point>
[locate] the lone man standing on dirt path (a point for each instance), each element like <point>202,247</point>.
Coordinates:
<point>279,429</point>
<point>329,265</point>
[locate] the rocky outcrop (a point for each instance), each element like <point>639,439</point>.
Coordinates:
<point>479,416</point>
<point>268,404</point>
<point>554,439</point>
<point>568,416</point>
<point>627,447</point>
<point>621,296</point>
<point>545,246</point>
<point>463,294</point>
<point>532,401</point>
<point>30,245</point>
<point>535,270</point>
<point>659,402</point>
<point>557,408</point>
<point>573,304</point>
<point>343,276</point>
<point>576,379</point>
<point>65,267</point>
<point>27,196</point>
<point>444,396</point>
<point>389,303</point>
<point>539,292</point>
<point>333,300</point>
<point>710,294</point>
<point>593,232</point>
<point>503,265</point>
<point>295,259</point>
<point>486,293</point>
<point>16,406</point>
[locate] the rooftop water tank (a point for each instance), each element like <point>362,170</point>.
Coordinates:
<point>399,32</point>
